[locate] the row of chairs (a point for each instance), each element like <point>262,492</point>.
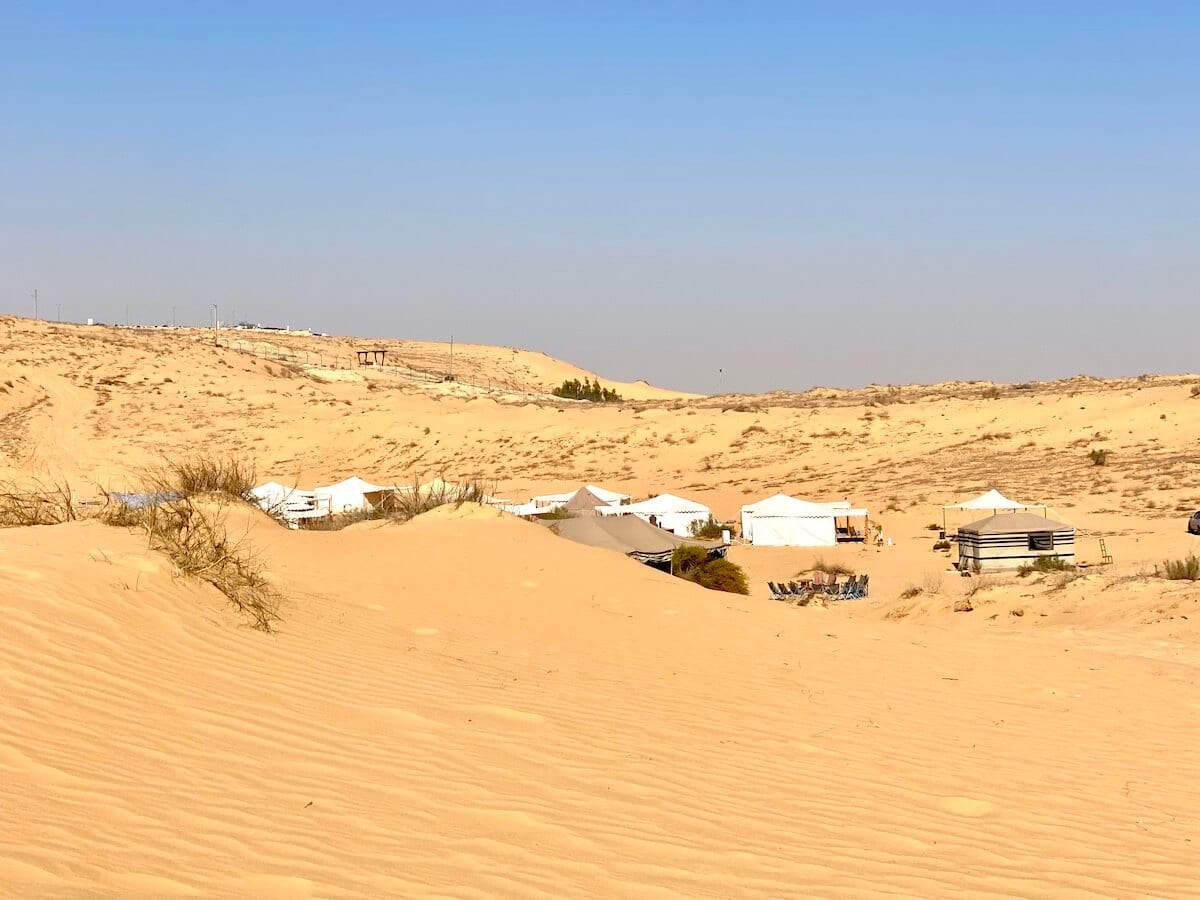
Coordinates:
<point>856,587</point>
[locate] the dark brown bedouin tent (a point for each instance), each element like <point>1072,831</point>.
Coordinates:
<point>629,535</point>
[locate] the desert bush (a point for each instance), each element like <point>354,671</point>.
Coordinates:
<point>200,547</point>
<point>721,575</point>
<point>975,585</point>
<point>909,592</point>
<point>1195,392</point>
<point>1044,564</point>
<point>834,568</point>
<point>692,563</point>
<point>710,529</point>
<point>753,429</point>
<point>37,503</point>
<point>574,389</point>
<point>931,583</point>
<point>991,393</point>
<point>557,514</point>
<point>192,476</point>
<point>1186,569</point>
<point>1098,456</point>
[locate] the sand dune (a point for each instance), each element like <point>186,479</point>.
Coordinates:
<point>468,706</point>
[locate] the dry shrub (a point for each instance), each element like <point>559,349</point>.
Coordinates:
<point>200,547</point>
<point>1186,569</point>
<point>38,503</point>
<point>408,504</point>
<point>932,583</point>
<point>909,592</point>
<point>979,584</point>
<point>834,568</point>
<point>192,476</point>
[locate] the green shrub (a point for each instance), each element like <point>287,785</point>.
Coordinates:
<point>1186,569</point>
<point>691,563</point>
<point>1044,564</point>
<point>557,514</point>
<point>721,575</point>
<point>709,530</point>
<point>574,389</point>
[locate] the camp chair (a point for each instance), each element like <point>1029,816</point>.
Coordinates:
<point>848,589</point>
<point>777,592</point>
<point>861,591</point>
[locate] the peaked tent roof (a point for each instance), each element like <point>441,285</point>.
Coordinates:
<point>663,503</point>
<point>353,483</point>
<point>784,505</point>
<point>1010,522</point>
<point>625,534</point>
<point>584,499</point>
<point>993,499</point>
<point>605,495</point>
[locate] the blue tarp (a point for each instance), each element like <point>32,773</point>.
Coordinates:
<point>141,501</point>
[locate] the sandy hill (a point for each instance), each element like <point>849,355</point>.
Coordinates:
<point>467,705</point>
<point>470,706</point>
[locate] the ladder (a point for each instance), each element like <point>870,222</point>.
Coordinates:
<point>1105,556</point>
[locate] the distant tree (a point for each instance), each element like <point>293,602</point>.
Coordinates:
<point>592,391</point>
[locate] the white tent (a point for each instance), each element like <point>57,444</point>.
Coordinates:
<point>671,513</point>
<point>352,495</point>
<point>525,509</point>
<point>993,500</point>
<point>289,504</point>
<point>612,498</point>
<point>783,521</point>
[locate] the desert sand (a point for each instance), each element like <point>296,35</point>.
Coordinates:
<point>466,705</point>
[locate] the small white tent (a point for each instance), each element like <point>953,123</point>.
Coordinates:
<point>671,513</point>
<point>993,500</point>
<point>783,521</point>
<point>289,504</point>
<point>612,498</point>
<point>352,495</point>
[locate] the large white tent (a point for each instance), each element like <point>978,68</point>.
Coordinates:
<point>612,498</point>
<point>671,513</point>
<point>352,495</point>
<point>783,521</point>
<point>292,505</point>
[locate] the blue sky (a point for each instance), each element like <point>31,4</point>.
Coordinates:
<point>790,194</point>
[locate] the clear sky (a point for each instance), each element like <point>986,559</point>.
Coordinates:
<point>790,193</point>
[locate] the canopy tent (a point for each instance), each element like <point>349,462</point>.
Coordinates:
<point>666,511</point>
<point>629,535</point>
<point>353,495</point>
<point>525,509</point>
<point>783,521</point>
<point>612,498</point>
<point>993,500</point>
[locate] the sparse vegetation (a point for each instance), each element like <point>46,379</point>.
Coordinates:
<point>1044,564</point>
<point>709,530</point>
<point>557,514</point>
<point>38,503</point>
<point>991,393</point>
<point>830,568</point>
<point>910,592</point>
<point>1186,569</point>
<point>198,544</point>
<point>197,475</point>
<point>1098,456</point>
<point>692,563</point>
<point>574,389</point>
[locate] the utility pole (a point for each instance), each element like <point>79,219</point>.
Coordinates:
<point>126,315</point>
<point>452,356</point>
<point>58,316</point>
<point>35,304</point>
<point>172,317</point>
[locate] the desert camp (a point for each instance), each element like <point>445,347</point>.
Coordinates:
<point>599,451</point>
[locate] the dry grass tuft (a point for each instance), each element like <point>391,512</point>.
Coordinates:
<point>834,568</point>
<point>39,503</point>
<point>198,475</point>
<point>200,547</point>
<point>1186,569</point>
